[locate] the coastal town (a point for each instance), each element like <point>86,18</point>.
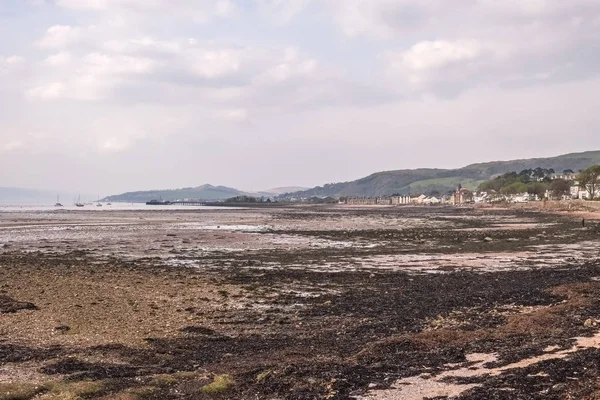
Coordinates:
<point>570,189</point>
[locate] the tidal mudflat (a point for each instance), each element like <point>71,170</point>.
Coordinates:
<point>323,302</point>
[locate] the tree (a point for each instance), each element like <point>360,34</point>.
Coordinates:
<point>560,188</point>
<point>514,188</point>
<point>589,180</point>
<point>568,171</point>
<point>539,173</point>
<point>538,189</point>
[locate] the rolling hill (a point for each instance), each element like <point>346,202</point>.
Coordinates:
<point>427,180</point>
<point>203,192</point>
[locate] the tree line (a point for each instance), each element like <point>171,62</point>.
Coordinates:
<point>539,181</point>
<point>533,181</point>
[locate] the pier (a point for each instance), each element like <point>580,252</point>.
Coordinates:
<point>188,203</point>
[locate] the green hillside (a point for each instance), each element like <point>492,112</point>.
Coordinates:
<point>432,185</point>
<point>414,181</point>
<point>204,192</point>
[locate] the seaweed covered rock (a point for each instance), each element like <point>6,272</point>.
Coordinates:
<point>9,305</point>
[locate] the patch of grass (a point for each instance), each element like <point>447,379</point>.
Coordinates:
<point>188,375</point>
<point>20,391</point>
<point>73,390</point>
<point>137,393</point>
<point>163,380</point>
<point>260,378</point>
<point>220,384</point>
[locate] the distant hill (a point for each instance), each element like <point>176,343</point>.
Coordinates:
<point>204,192</point>
<point>427,180</point>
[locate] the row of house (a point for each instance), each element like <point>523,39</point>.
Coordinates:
<point>575,193</point>
<point>583,194</point>
<point>390,200</point>
<point>461,196</point>
<point>464,196</point>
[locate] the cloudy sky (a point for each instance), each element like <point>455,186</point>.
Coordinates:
<point>114,95</point>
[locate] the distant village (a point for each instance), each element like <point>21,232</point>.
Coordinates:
<point>559,187</point>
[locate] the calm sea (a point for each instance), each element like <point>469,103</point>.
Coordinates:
<point>27,207</point>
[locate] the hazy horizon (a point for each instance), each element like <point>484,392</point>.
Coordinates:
<point>109,96</point>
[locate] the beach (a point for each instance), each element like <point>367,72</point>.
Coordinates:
<point>299,302</point>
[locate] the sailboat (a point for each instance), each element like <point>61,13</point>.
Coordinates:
<point>57,202</point>
<point>79,203</point>
<point>98,204</point>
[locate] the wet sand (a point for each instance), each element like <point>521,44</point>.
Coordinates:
<point>314,302</point>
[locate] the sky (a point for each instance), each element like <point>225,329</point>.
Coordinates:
<point>107,96</point>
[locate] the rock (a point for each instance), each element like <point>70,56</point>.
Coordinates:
<point>198,330</point>
<point>488,239</point>
<point>8,305</point>
<point>559,386</point>
<point>372,385</point>
<point>62,328</point>
<point>589,323</point>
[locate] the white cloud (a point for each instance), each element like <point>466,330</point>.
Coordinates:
<point>114,144</point>
<point>91,77</point>
<point>429,55</point>
<point>58,59</point>
<point>235,115</point>
<point>213,63</point>
<point>225,8</point>
<point>109,64</point>
<point>12,145</point>
<point>290,65</point>
<point>60,36</point>
<point>424,61</point>
<point>49,91</point>
<point>12,60</point>
<point>198,10</point>
<point>385,19</point>
<point>382,19</point>
<point>184,70</point>
<point>11,64</point>
<point>282,11</point>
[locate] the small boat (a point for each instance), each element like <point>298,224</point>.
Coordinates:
<point>57,202</point>
<point>79,203</point>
